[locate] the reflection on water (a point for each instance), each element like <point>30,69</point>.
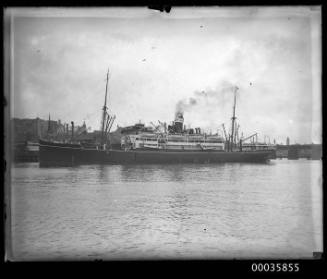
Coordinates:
<point>167,211</point>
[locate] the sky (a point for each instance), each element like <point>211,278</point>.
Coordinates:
<point>158,61</point>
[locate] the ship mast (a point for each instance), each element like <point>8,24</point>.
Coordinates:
<point>233,118</point>
<point>49,127</point>
<point>104,111</point>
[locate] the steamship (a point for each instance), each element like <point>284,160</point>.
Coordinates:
<point>156,145</point>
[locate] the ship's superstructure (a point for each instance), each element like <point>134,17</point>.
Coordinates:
<point>176,138</point>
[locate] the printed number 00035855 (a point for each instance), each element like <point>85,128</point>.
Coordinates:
<point>275,267</point>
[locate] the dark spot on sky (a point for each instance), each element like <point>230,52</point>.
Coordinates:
<point>250,83</point>
<point>144,59</point>
<point>201,26</point>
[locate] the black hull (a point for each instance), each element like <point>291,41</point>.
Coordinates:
<point>61,155</point>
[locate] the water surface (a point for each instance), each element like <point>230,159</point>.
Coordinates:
<point>167,211</point>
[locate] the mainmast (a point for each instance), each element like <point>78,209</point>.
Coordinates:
<point>49,125</point>
<point>104,111</point>
<point>233,118</point>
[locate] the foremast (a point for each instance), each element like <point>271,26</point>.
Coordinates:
<point>107,120</point>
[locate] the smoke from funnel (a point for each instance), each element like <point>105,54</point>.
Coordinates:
<point>209,97</point>
<point>185,105</point>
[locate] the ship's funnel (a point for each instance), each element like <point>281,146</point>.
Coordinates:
<point>178,123</point>
<point>179,117</point>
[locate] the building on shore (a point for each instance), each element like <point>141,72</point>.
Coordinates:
<point>25,134</point>
<point>32,129</point>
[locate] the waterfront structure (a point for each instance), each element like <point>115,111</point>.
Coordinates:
<point>297,151</point>
<point>26,133</point>
<point>31,129</point>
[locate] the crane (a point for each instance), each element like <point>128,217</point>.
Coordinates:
<point>237,138</point>
<point>224,131</point>
<point>256,134</point>
<point>156,127</point>
<point>112,119</point>
<point>164,125</point>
